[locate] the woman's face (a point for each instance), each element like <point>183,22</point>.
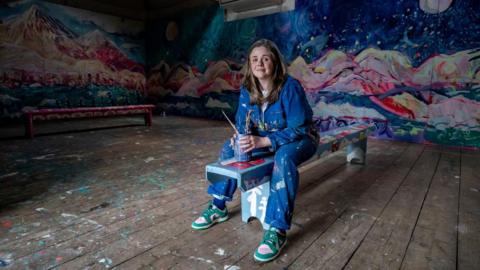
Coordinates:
<point>261,63</point>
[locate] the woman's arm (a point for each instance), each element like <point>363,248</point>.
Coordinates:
<point>241,115</point>
<point>298,115</point>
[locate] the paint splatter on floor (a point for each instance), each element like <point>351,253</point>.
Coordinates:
<point>107,262</point>
<point>158,178</point>
<point>44,157</point>
<point>6,259</point>
<point>7,224</point>
<point>200,259</point>
<point>83,189</point>
<point>8,175</point>
<point>149,159</point>
<point>3,263</point>
<point>220,252</point>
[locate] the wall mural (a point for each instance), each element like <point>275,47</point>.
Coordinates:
<point>411,67</point>
<point>56,56</point>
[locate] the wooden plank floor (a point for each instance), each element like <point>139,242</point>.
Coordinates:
<point>112,193</point>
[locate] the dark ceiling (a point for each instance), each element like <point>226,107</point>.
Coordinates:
<point>136,9</point>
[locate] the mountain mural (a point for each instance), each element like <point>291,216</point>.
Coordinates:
<point>39,52</point>
<point>183,80</point>
<point>414,74</point>
<point>387,78</point>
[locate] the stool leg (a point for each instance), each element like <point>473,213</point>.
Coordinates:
<point>148,118</point>
<point>29,125</point>
<point>254,203</point>
<point>356,152</point>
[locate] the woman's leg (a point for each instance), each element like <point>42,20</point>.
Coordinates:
<point>223,190</point>
<point>284,182</point>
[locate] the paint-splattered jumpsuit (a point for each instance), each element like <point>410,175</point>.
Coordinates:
<point>288,125</point>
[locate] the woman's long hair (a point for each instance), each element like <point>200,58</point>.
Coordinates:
<point>251,83</point>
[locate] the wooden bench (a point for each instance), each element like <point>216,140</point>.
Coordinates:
<point>253,177</point>
<point>67,113</point>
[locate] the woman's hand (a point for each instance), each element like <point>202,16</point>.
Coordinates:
<point>250,142</point>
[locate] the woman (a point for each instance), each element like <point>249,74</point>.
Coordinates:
<point>281,122</point>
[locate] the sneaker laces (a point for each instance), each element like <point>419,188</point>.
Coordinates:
<point>209,211</point>
<point>271,237</point>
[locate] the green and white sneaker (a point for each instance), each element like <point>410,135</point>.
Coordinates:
<point>272,243</point>
<point>209,217</point>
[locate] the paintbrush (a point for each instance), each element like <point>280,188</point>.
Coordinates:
<point>228,119</point>
<point>247,122</point>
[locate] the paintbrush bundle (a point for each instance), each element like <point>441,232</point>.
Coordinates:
<point>247,122</point>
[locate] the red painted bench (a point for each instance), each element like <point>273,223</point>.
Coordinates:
<point>66,113</point>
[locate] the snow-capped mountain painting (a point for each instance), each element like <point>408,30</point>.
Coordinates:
<point>50,56</point>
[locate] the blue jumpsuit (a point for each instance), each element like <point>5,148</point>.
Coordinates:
<point>288,124</point>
